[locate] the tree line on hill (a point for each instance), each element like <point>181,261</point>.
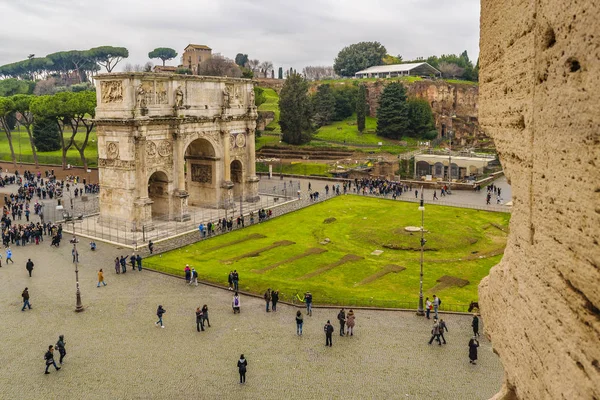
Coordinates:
<point>362,55</point>
<point>397,116</point>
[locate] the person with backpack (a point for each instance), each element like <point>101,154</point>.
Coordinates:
<point>60,346</point>
<point>49,357</point>
<point>342,318</point>
<point>235,303</point>
<point>242,365</point>
<point>328,328</point>
<point>194,277</point>
<point>25,296</point>
<point>159,313</point>
<point>299,323</point>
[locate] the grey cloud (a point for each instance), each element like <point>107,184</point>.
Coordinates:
<point>289,33</point>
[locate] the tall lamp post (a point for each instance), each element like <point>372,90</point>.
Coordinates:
<point>420,310</point>
<point>450,163</point>
<point>74,241</point>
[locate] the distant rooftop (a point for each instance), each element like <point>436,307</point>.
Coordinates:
<point>398,68</point>
<point>198,46</point>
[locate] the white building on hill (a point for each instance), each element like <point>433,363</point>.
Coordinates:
<point>395,70</point>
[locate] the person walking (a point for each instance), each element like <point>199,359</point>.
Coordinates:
<point>427,307</point>
<point>299,323</point>
<point>242,365</point>
<point>29,266</point>
<point>274,300</point>
<point>123,262</point>
<point>25,296</point>
<point>205,315</point>
<point>188,273</point>
<point>101,278</point>
<point>117,265</point>
<point>159,313</point>
<point>235,303</point>
<point>49,357</point>
<point>328,328</point>
<point>267,297</point>
<point>442,327</point>
<point>9,256</point>
<point>132,261</point>
<point>342,318</point>
<point>194,277</point>
<point>199,320</point>
<point>60,346</point>
<point>350,322</point>
<point>308,300</point>
<point>151,247</point>
<point>435,332</point>
<point>138,260</point>
<point>475,325</point>
<point>473,345</point>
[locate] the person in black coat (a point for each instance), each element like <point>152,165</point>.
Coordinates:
<point>29,266</point>
<point>242,365</point>
<point>475,325</point>
<point>473,345</point>
<point>328,328</point>
<point>49,357</point>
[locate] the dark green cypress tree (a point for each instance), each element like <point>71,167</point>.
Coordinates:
<point>296,111</point>
<point>361,108</point>
<point>46,135</point>
<point>392,114</point>
<point>323,105</point>
<point>280,73</point>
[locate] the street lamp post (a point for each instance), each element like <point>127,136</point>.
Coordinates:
<point>420,310</point>
<point>450,163</point>
<point>78,306</point>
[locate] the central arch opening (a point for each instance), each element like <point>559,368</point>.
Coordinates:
<point>201,173</point>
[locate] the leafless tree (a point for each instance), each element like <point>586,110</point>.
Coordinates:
<point>450,70</point>
<point>218,65</point>
<point>266,67</point>
<point>253,65</point>
<point>315,73</point>
<point>135,68</point>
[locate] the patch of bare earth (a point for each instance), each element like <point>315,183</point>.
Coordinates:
<point>388,269</point>
<point>346,259</point>
<point>256,253</point>
<point>254,236</point>
<point>307,253</point>
<point>448,281</point>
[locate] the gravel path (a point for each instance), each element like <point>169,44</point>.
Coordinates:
<point>116,351</point>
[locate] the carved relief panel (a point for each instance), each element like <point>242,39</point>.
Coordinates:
<point>237,141</point>
<point>112,91</point>
<point>201,173</point>
<point>112,150</point>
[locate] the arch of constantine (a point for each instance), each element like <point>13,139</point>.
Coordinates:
<point>167,141</point>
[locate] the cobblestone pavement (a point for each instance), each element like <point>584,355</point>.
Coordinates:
<point>115,351</point>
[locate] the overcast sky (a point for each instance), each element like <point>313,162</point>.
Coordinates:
<point>288,33</point>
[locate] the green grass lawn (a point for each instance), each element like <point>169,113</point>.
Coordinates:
<point>272,104</point>
<point>297,168</point>
<point>50,157</point>
<point>461,243</point>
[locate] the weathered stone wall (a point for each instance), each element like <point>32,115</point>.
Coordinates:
<point>540,101</point>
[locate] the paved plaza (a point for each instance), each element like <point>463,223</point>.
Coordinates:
<point>116,351</point>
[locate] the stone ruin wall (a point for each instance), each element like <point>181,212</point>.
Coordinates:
<point>446,99</point>
<point>540,101</point>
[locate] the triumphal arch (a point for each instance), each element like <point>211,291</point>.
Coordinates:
<point>167,141</point>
